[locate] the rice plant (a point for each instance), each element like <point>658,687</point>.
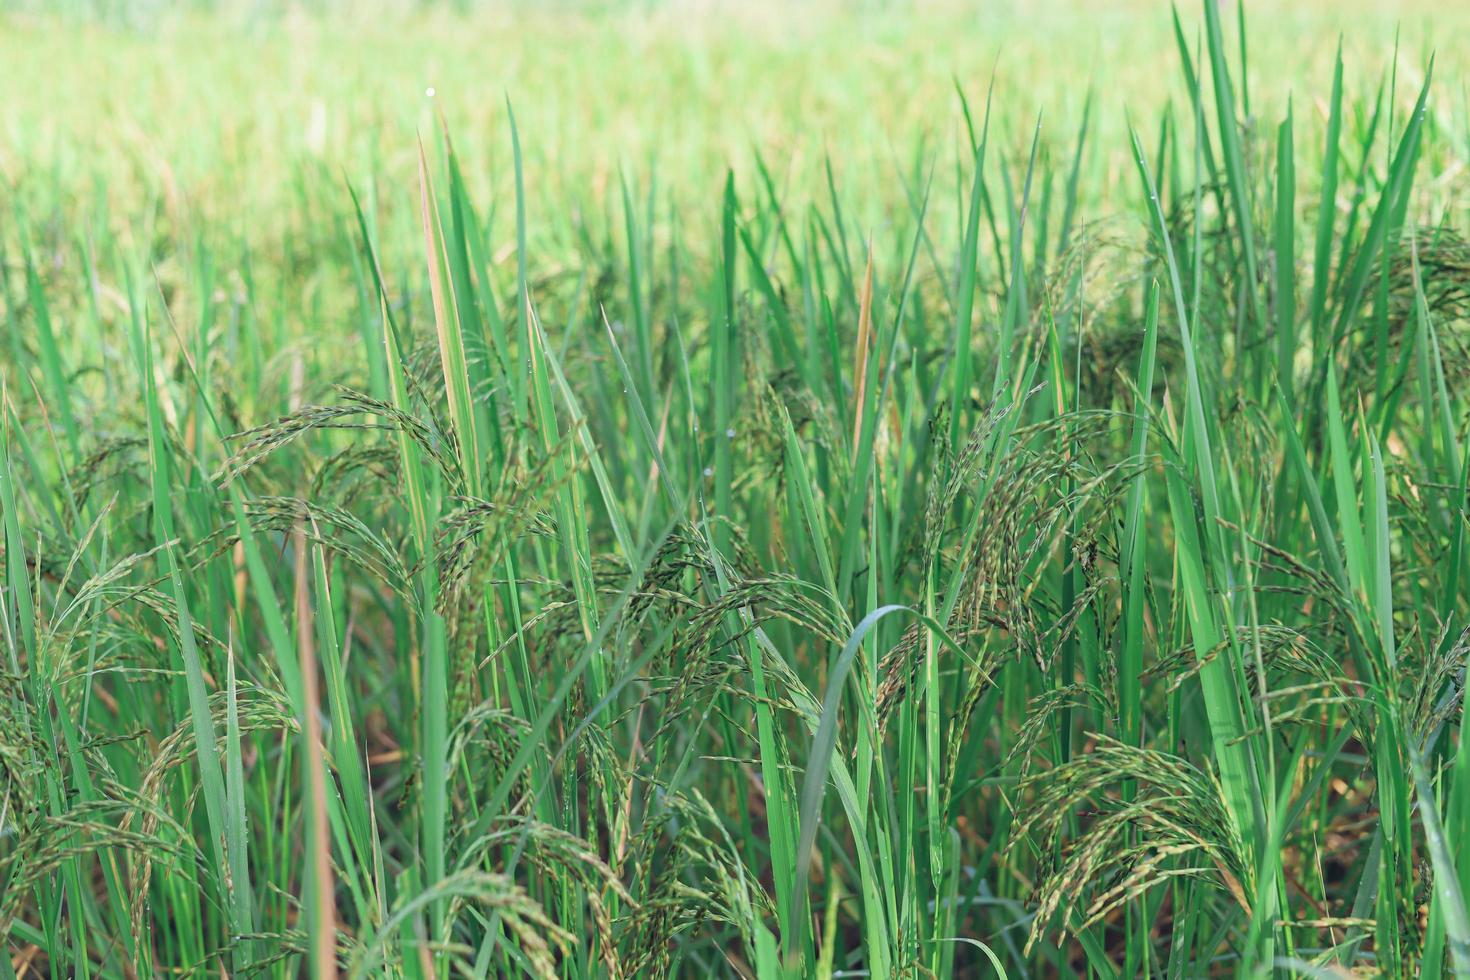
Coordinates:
<point>1034,548</point>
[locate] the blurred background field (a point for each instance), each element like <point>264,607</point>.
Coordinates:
<point>240,111</point>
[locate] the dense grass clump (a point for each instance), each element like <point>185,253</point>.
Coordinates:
<point>1046,556</point>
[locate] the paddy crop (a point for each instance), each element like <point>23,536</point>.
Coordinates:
<point>677,490</point>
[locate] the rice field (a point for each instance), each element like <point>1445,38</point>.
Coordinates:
<point>639,489</point>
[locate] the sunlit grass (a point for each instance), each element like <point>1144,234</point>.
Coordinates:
<point>774,503</point>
